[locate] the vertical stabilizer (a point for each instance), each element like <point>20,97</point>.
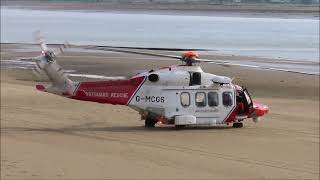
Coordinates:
<point>47,63</point>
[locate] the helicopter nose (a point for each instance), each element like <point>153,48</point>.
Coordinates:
<point>260,109</point>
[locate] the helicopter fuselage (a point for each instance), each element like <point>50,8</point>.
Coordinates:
<point>180,95</point>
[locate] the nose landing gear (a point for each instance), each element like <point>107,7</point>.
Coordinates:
<point>237,125</point>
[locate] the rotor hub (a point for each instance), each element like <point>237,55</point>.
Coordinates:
<point>189,57</point>
<point>49,55</point>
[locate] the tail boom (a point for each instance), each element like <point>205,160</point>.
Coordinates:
<point>118,92</point>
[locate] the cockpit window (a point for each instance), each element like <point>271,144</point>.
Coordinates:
<point>201,99</point>
<point>227,99</point>
<point>213,99</point>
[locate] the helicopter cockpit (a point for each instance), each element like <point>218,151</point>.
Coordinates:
<point>244,102</point>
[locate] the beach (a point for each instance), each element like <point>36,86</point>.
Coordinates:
<point>44,136</point>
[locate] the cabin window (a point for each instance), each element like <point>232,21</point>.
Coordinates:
<point>213,99</point>
<point>201,99</point>
<point>227,99</point>
<point>185,99</point>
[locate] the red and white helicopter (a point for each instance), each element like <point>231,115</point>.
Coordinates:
<point>179,95</point>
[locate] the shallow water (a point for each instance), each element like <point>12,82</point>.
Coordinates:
<point>296,39</point>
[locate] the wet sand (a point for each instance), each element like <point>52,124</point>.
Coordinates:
<point>45,136</point>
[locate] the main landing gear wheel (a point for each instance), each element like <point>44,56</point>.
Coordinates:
<point>149,123</point>
<point>237,125</point>
<point>178,127</point>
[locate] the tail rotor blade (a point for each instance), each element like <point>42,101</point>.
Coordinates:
<point>40,39</point>
<point>36,73</point>
<point>37,70</point>
<point>48,54</point>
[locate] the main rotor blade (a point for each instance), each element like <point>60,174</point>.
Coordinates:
<point>227,63</point>
<point>98,47</point>
<point>136,52</point>
<point>138,48</point>
<point>155,48</point>
<point>118,47</point>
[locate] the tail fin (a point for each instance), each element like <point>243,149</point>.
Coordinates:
<point>47,63</point>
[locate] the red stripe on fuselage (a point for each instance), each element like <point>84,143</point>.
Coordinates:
<point>112,92</point>
<point>231,116</point>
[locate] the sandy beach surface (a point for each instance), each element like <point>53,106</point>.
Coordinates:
<point>44,136</point>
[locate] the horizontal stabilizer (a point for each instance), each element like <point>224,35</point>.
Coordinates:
<point>40,87</point>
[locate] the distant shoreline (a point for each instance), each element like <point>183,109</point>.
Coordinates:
<point>221,56</point>
<point>176,7</point>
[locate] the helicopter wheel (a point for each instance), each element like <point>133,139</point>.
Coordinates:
<point>178,127</point>
<point>237,125</point>
<point>149,123</point>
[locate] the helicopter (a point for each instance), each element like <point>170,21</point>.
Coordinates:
<point>178,95</point>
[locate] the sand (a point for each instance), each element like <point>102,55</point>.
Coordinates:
<point>44,136</point>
